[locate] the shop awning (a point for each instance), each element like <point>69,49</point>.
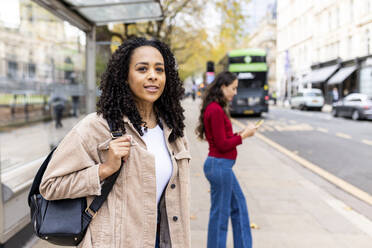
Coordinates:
<point>341,75</point>
<point>321,75</point>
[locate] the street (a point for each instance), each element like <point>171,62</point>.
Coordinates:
<point>338,145</point>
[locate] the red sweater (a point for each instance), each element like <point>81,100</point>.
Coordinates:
<point>219,134</point>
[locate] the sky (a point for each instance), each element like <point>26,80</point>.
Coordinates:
<point>9,13</point>
<point>256,10</point>
<point>212,20</point>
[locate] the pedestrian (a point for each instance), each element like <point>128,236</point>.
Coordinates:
<point>194,89</point>
<point>274,96</point>
<point>148,205</point>
<point>57,101</point>
<point>227,198</point>
<point>334,95</point>
<point>75,105</point>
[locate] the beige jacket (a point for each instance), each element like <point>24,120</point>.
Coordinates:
<point>128,218</point>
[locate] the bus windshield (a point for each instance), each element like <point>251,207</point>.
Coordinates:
<point>251,80</point>
<point>251,84</point>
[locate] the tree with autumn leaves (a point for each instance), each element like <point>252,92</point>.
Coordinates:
<point>184,29</point>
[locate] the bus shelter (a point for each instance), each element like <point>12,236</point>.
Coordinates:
<point>85,15</point>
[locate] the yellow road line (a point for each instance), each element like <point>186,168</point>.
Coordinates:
<point>368,142</point>
<point>364,196</point>
<point>343,135</point>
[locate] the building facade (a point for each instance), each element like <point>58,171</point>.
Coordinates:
<point>37,51</point>
<point>317,39</point>
<point>264,37</point>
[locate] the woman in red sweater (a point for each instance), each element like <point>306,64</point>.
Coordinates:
<point>227,198</point>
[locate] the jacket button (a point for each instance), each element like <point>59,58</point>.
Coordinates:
<point>175,218</point>
<point>173,153</point>
<point>173,186</point>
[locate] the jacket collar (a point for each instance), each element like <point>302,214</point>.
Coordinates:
<point>167,130</point>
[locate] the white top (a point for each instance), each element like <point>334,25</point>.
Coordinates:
<point>155,142</point>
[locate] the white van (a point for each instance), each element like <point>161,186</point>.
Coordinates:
<point>308,99</point>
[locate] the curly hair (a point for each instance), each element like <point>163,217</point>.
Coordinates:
<point>214,93</point>
<point>116,100</point>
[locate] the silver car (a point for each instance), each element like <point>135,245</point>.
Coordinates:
<point>356,105</point>
<point>308,99</point>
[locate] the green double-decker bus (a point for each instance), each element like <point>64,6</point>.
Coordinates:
<point>253,90</point>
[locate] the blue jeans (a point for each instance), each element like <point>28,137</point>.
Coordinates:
<point>227,199</point>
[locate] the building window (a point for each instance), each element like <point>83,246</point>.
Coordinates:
<point>31,70</point>
<point>12,69</point>
<point>365,80</point>
<point>351,9</point>
<point>318,54</point>
<point>368,41</point>
<point>337,17</point>
<point>349,46</point>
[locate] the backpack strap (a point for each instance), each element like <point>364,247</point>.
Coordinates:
<point>91,211</point>
<point>39,175</point>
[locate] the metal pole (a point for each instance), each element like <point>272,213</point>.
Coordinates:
<point>2,221</point>
<point>91,70</point>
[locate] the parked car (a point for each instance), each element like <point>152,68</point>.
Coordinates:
<point>308,99</point>
<point>356,105</point>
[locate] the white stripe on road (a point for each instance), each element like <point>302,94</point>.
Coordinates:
<point>367,142</point>
<point>279,128</point>
<point>364,196</point>
<point>327,117</point>
<point>268,128</point>
<point>298,127</point>
<point>323,130</point>
<point>343,135</point>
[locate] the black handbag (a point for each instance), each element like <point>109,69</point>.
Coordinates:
<point>65,222</point>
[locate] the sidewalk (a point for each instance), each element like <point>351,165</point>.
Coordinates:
<point>289,210</point>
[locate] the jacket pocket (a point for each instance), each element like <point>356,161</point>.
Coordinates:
<point>100,229</point>
<point>183,159</point>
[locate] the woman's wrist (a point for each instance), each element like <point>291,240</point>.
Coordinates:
<point>241,135</point>
<point>104,172</point>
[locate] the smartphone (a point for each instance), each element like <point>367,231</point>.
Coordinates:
<point>259,123</point>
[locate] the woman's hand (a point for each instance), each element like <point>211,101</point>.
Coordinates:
<point>248,131</point>
<point>118,150</point>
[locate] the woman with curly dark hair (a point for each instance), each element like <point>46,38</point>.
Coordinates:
<point>148,205</point>
<point>227,198</point>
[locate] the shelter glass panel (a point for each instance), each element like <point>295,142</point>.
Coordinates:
<point>36,74</point>
<point>101,2</point>
<point>128,12</point>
